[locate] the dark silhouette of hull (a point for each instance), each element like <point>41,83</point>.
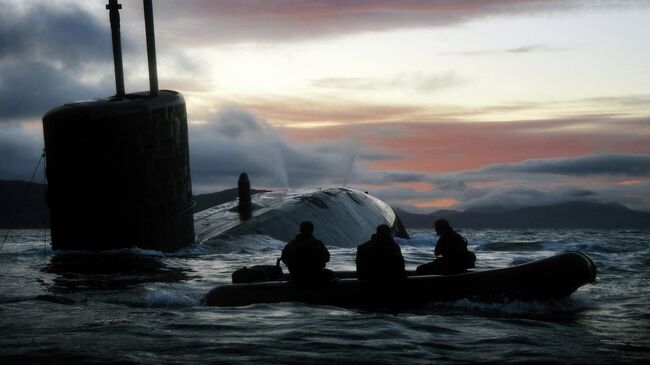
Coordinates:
<point>554,277</point>
<point>130,156</point>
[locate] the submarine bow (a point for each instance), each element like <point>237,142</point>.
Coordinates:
<point>342,217</point>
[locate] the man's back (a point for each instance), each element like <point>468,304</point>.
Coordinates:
<point>305,256</point>
<point>452,247</point>
<point>380,259</point>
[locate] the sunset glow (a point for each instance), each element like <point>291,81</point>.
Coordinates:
<point>418,102</point>
<point>435,203</point>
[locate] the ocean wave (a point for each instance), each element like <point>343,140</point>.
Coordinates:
<point>417,241</point>
<point>575,304</point>
<point>167,299</point>
<point>515,246</point>
<point>520,260</point>
<point>246,244</point>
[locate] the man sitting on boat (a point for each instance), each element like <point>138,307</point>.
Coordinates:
<point>452,256</point>
<point>306,257</point>
<point>380,259</point>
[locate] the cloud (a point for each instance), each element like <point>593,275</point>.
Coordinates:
<point>611,165</point>
<point>357,155</point>
<point>210,21</point>
<point>322,157</point>
<point>50,55</point>
<point>415,82</point>
<point>30,89</point>
<point>21,145</point>
<point>66,34</point>
<point>529,48</point>
<point>623,178</point>
<point>236,141</point>
<point>308,111</point>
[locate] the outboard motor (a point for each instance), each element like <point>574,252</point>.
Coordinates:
<point>118,168</point>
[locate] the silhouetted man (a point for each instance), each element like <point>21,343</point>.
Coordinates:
<point>452,256</point>
<point>306,257</point>
<point>380,259</point>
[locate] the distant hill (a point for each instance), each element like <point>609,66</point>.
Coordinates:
<point>577,214</point>
<point>32,213</point>
<point>30,197</point>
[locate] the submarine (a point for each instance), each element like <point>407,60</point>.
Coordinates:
<point>129,153</point>
<point>342,217</point>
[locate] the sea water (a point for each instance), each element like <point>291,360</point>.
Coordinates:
<point>144,307</point>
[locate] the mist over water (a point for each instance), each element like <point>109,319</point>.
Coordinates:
<point>140,306</point>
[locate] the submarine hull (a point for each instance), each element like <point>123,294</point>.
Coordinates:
<point>342,217</point>
<point>553,277</point>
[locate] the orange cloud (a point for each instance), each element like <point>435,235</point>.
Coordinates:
<point>417,186</point>
<point>295,111</point>
<point>434,203</point>
<point>631,182</point>
<point>445,146</point>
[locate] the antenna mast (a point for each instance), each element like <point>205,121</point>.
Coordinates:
<point>114,16</point>
<point>151,47</point>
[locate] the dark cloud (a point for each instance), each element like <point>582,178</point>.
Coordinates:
<point>395,177</point>
<point>45,52</point>
<point>608,165</point>
<point>30,89</point>
<point>65,34</point>
<point>518,197</point>
<point>21,145</point>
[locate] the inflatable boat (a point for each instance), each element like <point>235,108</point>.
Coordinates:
<point>553,277</point>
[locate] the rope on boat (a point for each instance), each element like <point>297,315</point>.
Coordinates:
<point>44,210</point>
<point>22,201</point>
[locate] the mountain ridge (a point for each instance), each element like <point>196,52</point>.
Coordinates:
<point>575,214</point>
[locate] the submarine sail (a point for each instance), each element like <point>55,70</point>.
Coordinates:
<point>128,156</point>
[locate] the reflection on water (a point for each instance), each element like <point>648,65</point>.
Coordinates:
<point>121,269</point>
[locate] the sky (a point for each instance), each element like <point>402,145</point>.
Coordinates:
<point>428,105</point>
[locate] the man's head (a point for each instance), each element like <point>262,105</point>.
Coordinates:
<point>383,230</point>
<point>306,227</point>
<point>442,226</point>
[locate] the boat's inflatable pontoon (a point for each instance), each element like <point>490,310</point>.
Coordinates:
<point>553,277</point>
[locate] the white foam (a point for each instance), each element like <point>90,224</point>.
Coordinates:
<point>567,305</point>
<point>164,298</point>
<point>417,241</point>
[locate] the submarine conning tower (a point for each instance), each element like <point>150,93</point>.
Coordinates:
<point>118,168</point>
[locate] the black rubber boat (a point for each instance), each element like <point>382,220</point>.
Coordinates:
<point>553,277</point>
